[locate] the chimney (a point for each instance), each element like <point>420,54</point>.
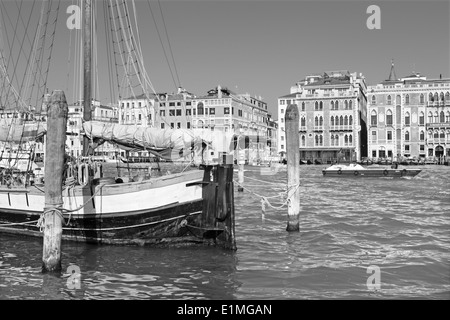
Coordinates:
<point>219,92</point>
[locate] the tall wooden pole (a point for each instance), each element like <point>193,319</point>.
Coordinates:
<point>293,166</point>
<point>57,112</point>
<point>87,77</point>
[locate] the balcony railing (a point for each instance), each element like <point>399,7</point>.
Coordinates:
<point>438,125</point>
<point>341,128</point>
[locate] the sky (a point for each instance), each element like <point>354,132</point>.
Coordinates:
<point>264,47</point>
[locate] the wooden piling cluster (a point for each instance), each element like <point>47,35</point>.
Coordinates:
<point>57,112</point>
<point>218,205</point>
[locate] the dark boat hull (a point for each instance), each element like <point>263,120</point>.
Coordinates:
<point>206,219</point>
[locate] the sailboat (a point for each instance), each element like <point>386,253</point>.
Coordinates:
<point>189,207</point>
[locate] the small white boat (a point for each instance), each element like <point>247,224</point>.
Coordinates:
<point>356,170</point>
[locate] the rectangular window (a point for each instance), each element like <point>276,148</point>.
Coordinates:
<point>172,125</point>
<point>139,117</point>
<point>178,125</point>
<point>188,112</point>
<point>406,147</point>
<point>171,104</point>
<point>162,113</point>
<point>178,112</point>
<point>232,110</point>
<point>178,104</point>
<point>162,104</point>
<point>212,110</point>
<point>171,112</point>
<point>188,125</point>
<point>188,103</point>
<point>374,136</point>
<point>389,135</point>
<point>282,111</point>
<point>162,125</point>
<point>226,110</point>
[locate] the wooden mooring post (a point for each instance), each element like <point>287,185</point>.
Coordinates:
<point>54,167</point>
<point>293,166</point>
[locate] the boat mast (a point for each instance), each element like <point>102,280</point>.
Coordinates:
<point>87,77</point>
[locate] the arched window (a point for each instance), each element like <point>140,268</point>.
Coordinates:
<point>350,140</point>
<point>350,121</point>
<point>436,134</point>
<point>341,121</point>
<point>442,96</point>
<point>303,141</point>
<point>320,140</point>
<point>336,105</point>
<point>407,118</point>
<point>345,140</point>
<point>373,118</point>
<point>422,99</point>
<point>407,99</point>
<point>436,117</point>
<point>303,122</point>
<point>332,140</point>
<point>316,121</point>
<point>447,96</point>
<point>321,105</point>
<point>332,105</point>
<point>316,105</point>
<point>430,135</point>
<point>346,121</point>
<point>374,100</point>
<point>332,121</point>
<point>336,140</point>
<point>447,117</point>
<point>389,117</point>
<point>398,100</point>
<point>346,105</point>
<point>442,135</point>
<point>436,97</point>
<point>422,136</point>
<point>303,106</point>
<point>441,117</point>
<point>321,121</point>
<point>421,118</point>
<point>389,99</point>
<point>317,140</point>
<point>430,117</point>
<point>407,136</point>
<point>350,104</point>
<point>430,97</point>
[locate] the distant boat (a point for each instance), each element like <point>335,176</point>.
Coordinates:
<point>357,171</point>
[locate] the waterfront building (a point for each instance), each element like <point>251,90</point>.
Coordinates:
<point>409,117</point>
<point>137,110</point>
<point>74,140</point>
<point>332,113</point>
<point>174,111</point>
<point>241,114</point>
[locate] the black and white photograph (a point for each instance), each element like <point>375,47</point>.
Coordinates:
<point>224,155</point>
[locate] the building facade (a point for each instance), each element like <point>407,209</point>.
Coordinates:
<point>332,114</point>
<point>241,114</point>
<point>409,117</point>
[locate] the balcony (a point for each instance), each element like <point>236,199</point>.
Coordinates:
<point>440,103</point>
<point>318,128</point>
<point>438,125</point>
<point>341,128</point>
<point>302,128</point>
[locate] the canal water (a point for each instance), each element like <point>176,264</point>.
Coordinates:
<point>399,227</point>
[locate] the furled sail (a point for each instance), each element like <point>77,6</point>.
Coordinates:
<point>16,132</point>
<point>169,144</point>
